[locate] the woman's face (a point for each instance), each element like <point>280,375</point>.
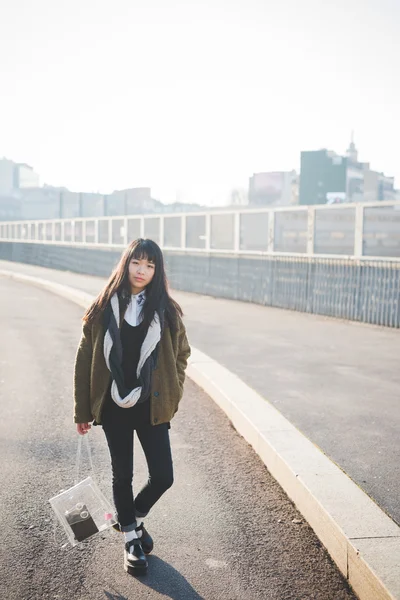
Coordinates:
<point>141,272</point>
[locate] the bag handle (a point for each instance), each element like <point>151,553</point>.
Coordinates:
<point>79,456</point>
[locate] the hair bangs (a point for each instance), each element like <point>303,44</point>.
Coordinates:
<point>145,250</point>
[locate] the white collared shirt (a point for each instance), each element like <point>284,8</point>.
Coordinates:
<point>133,314</point>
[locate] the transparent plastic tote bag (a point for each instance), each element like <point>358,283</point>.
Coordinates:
<point>83,510</point>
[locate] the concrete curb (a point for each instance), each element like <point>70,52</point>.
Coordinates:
<point>362,540</point>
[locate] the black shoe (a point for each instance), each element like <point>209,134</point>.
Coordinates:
<point>135,561</point>
<point>145,539</point>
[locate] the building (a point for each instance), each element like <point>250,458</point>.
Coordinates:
<point>327,178</point>
<point>91,204</point>
<point>322,177</point>
<point>16,176</point>
<point>7,177</point>
<point>15,179</point>
<point>239,197</point>
<point>132,201</point>
<point>278,188</point>
<point>25,177</point>
<point>139,200</point>
<point>378,187</point>
<point>40,203</point>
<point>10,209</point>
<point>10,205</point>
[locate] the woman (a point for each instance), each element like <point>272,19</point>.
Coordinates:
<point>129,375</point>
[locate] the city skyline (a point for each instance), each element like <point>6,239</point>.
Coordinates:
<point>191,101</point>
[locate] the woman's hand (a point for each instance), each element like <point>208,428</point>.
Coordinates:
<point>83,428</point>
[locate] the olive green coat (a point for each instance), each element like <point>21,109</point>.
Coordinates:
<point>92,377</point>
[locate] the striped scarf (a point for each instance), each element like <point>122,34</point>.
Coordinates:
<point>121,395</point>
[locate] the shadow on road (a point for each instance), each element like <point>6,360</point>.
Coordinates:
<point>111,596</point>
<point>164,579</point>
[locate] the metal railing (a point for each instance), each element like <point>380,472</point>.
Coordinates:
<point>365,230</point>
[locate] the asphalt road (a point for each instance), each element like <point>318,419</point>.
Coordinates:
<point>223,531</point>
<point>337,381</point>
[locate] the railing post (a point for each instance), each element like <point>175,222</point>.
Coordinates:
<point>310,230</point>
<point>84,232</point>
<point>125,231</point>
<point>110,232</point>
<point>183,232</point>
<point>208,232</point>
<point>236,232</point>
<point>96,231</point>
<point>162,231</point>
<point>271,231</point>
<point>359,231</point>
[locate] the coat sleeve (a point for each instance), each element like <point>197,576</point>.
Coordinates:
<point>82,372</point>
<point>183,355</point>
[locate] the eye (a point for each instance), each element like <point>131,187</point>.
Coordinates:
<point>151,265</point>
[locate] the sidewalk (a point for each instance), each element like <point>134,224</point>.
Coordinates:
<point>335,381</point>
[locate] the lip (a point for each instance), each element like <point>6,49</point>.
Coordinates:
<point>139,278</point>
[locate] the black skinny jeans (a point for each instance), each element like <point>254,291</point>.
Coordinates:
<point>119,425</point>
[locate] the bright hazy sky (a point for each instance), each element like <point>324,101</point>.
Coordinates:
<point>192,98</point>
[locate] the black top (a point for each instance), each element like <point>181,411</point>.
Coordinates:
<point>138,415</point>
<point>132,339</point>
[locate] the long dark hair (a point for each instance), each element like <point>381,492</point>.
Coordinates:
<point>157,295</point>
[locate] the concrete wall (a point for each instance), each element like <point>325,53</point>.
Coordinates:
<point>361,291</point>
